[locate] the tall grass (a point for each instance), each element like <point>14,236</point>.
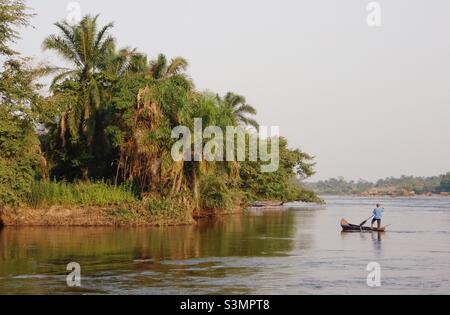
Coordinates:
<point>49,193</point>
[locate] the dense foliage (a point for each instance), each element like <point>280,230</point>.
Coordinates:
<point>107,123</point>
<point>20,156</point>
<point>283,184</point>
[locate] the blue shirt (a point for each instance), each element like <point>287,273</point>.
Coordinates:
<point>378,213</point>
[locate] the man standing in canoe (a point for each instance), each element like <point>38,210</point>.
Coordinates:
<point>377,214</point>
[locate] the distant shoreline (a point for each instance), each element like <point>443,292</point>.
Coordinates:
<point>386,195</point>
<point>403,186</point>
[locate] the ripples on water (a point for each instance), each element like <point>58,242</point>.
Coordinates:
<point>295,250</point>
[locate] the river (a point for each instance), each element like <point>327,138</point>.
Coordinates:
<point>298,249</point>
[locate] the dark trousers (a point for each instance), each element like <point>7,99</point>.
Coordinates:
<point>378,222</point>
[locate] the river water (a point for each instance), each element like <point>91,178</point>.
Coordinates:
<point>298,249</point>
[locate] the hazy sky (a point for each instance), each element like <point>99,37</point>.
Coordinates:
<point>368,102</point>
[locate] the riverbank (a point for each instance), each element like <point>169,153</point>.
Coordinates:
<point>95,204</point>
<point>89,217</point>
<point>130,215</point>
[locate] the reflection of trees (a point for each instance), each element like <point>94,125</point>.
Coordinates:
<point>48,250</point>
<point>231,236</point>
<point>305,224</point>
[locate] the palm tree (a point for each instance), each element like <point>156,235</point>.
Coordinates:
<point>83,46</point>
<point>86,48</point>
<point>240,108</point>
<point>89,50</point>
<point>161,69</point>
<point>124,62</point>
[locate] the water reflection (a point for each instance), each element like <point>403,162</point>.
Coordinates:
<point>375,237</point>
<point>178,252</point>
<point>284,251</point>
<point>377,241</point>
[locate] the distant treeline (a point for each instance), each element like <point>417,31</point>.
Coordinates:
<point>390,185</point>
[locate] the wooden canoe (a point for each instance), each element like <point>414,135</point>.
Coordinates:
<point>267,204</point>
<point>347,227</point>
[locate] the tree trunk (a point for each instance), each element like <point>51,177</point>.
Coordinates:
<point>155,170</point>
<point>85,173</point>
<point>195,186</point>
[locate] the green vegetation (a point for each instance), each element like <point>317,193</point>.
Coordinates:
<point>216,194</point>
<point>391,185</point>
<point>281,185</point>
<point>444,186</point>
<point>17,157</point>
<point>48,193</point>
<point>108,118</point>
<point>19,145</point>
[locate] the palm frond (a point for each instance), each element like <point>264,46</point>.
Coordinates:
<point>246,109</point>
<point>62,76</point>
<point>63,48</point>
<point>101,35</point>
<point>158,66</point>
<point>67,31</point>
<point>176,66</point>
<point>233,100</point>
<point>250,122</point>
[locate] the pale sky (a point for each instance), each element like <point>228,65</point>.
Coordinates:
<point>368,102</point>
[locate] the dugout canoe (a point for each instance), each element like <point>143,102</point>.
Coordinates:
<point>267,204</point>
<point>347,227</point>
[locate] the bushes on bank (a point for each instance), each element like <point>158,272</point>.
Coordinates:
<point>215,194</point>
<point>18,157</point>
<point>173,208</point>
